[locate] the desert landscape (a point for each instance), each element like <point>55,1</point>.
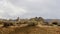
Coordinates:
<point>29,16</point>
<point>36,25</point>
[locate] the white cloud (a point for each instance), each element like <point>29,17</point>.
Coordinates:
<point>8,9</point>
<point>30,8</point>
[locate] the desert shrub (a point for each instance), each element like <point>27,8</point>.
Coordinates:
<point>32,23</point>
<point>58,25</point>
<point>55,23</point>
<point>7,24</point>
<point>23,22</point>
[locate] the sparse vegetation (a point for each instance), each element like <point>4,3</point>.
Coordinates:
<point>55,23</point>
<point>7,24</point>
<point>32,23</point>
<point>35,25</point>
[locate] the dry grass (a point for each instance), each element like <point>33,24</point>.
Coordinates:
<point>25,29</point>
<point>30,30</point>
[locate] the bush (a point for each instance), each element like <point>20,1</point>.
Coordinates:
<point>32,23</point>
<point>55,23</point>
<point>7,24</point>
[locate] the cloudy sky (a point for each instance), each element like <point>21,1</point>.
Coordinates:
<point>30,8</point>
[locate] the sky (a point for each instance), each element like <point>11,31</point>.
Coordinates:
<point>49,9</point>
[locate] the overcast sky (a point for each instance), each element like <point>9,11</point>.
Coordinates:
<point>30,8</point>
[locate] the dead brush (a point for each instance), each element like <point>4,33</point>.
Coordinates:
<point>6,24</point>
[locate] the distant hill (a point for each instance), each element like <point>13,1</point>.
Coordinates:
<point>49,20</point>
